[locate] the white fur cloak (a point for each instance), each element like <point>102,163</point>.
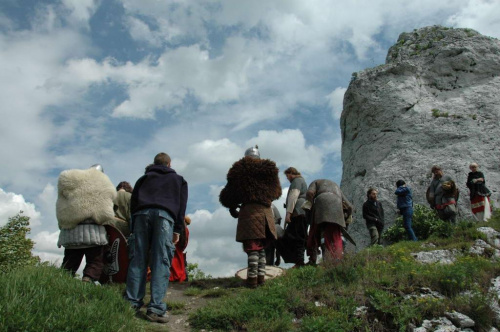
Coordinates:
<point>84,194</point>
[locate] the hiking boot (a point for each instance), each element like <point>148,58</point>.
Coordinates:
<point>312,263</point>
<point>87,279</point>
<point>251,282</point>
<point>151,316</point>
<point>261,280</point>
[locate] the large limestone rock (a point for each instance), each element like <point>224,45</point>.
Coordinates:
<point>435,101</point>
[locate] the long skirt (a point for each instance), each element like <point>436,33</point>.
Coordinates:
<point>481,207</point>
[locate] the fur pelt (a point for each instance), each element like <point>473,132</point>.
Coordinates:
<point>84,194</point>
<point>251,180</point>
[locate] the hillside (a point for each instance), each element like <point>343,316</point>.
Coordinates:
<point>434,101</point>
<point>407,286</point>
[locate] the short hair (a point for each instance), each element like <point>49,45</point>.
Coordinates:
<point>125,186</point>
<point>436,168</point>
<point>292,170</point>
<point>370,190</point>
<point>474,164</point>
<point>162,159</point>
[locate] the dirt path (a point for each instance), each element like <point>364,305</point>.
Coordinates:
<point>180,308</point>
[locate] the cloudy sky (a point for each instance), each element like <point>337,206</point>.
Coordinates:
<point>117,81</point>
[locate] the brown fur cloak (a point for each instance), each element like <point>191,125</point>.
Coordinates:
<point>252,184</point>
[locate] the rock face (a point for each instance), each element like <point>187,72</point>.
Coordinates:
<point>435,101</point>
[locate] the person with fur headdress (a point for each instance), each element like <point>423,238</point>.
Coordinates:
<point>84,204</point>
<point>252,184</point>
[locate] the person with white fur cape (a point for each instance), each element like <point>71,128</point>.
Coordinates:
<point>84,204</point>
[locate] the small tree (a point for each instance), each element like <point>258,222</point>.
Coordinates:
<point>425,223</point>
<point>194,273</point>
<point>15,248</point>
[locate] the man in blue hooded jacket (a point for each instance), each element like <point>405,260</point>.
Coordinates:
<point>158,207</point>
<point>405,206</point>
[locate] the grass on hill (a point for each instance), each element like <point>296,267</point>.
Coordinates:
<point>45,298</point>
<point>381,279</point>
<point>385,280</point>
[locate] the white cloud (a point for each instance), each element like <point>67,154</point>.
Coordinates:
<point>47,242</point>
<point>335,101</point>
<point>81,10</point>
<point>288,148</point>
<point>480,15</point>
<point>210,159</point>
<point>11,204</point>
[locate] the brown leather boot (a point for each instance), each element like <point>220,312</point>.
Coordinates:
<point>252,282</point>
<point>261,280</point>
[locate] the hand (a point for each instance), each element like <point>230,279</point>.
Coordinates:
<point>234,212</point>
<point>288,217</point>
<point>175,238</point>
<point>474,180</point>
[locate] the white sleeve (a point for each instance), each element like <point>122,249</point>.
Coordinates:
<point>293,195</point>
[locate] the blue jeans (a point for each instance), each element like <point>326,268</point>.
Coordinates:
<point>407,214</point>
<point>150,242</point>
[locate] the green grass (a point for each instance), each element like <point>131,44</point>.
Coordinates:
<point>325,298</point>
<point>45,298</point>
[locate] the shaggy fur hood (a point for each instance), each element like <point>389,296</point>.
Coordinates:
<point>84,194</point>
<point>251,180</point>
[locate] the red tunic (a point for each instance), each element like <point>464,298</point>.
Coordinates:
<point>178,267</point>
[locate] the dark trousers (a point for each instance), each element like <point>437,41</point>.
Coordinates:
<point>94,257</point>
<point>298,231</point>
<point>270,250</point>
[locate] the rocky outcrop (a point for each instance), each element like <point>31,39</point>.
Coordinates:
<point>435,101</point>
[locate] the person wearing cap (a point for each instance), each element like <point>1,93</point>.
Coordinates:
<point>158,206</point>
<point>373,213</point>
<point>405,206</point>
<point>479,193</point>
<point>252,185</point>
<point>84,204</point>
<point>442,195</point>
<point>295,215</point>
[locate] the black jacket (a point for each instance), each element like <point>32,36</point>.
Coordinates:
<point>162,188</point>
<point>374,215</point>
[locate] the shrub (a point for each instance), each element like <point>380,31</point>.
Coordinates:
<point>438,114</point>
<point>425,223</point>
<point>15,248</point>
<point>194,273</point>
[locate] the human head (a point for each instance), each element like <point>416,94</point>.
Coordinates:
<point>437,171</point>
<point>162,159</point>
<point>399,183</point>
<point>187,220</point>
<point>372,194</point>
<point>291,173</point>
<point>253,152</point>
<point>474,167</point>
<point>125,186</point>
<point>98,167</point>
